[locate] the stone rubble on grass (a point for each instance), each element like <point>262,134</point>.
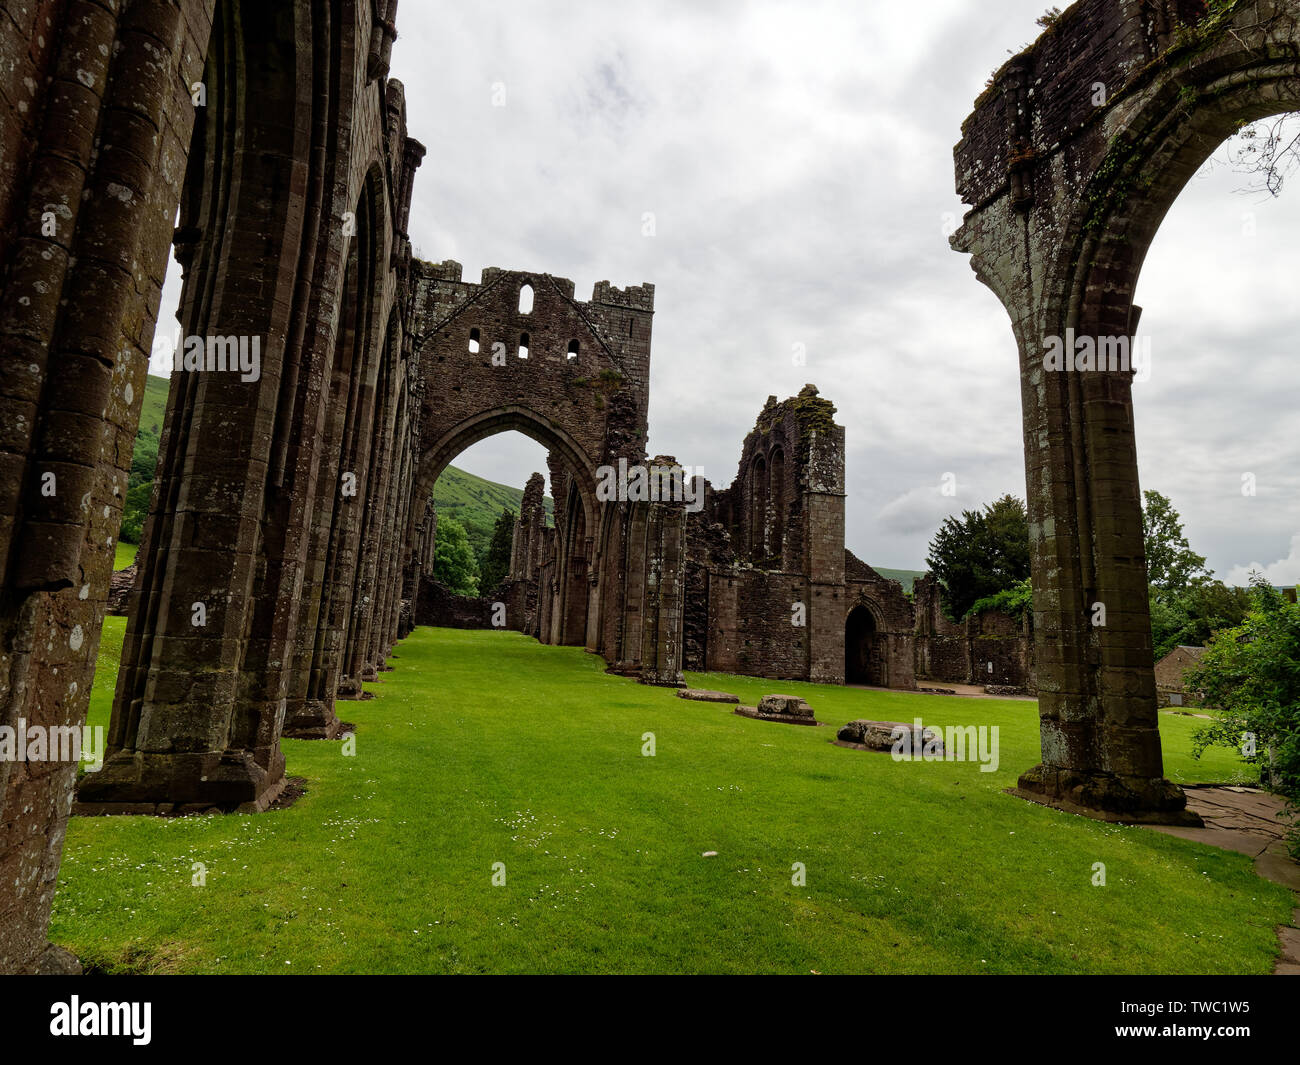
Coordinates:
<point>883,735</point>
<point>705,696</point>
<point>787,708</point>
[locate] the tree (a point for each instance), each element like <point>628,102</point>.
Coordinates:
<point>1015,601</point>
<point>1191,616</point>
<point>1171,562</point>
<point>496,563</point>
<point>453,560</point>
<point>1250,680</point>
<point>1269,150</point>
<point>980,554</point>
<point>135,509</point>
<point>1187,605</point>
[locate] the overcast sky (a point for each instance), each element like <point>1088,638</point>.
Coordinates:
<point>797,159</point>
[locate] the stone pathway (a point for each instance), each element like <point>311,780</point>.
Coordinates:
<point>1249,822</point>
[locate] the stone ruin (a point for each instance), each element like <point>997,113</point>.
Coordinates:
<point>888,736</point>
<point>1069,163</point>
<point>280,541</point>
<point>291,526</point>
<point>771,590</point>
<point>789,709</point>
<point>520,352</point>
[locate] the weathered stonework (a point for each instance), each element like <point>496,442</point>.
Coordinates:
<point>771,590</point>
<point>276,130</point>
<point>520,352</point>
<point>1069,163</point>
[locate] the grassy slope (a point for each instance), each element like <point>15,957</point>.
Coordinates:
<point>904,576</point>
<point>477,503</point>
<point>486,747</point>
<point>155,406</point>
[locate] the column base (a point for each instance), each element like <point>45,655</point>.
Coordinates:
<point>171,785</point>
<point>1106,797</point>
<point>312,720</point>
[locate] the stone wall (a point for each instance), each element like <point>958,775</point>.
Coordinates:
<point>771,590</point>
<point>521,353</point>
<point>292,241</point>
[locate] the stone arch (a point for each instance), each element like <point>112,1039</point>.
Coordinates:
<point>370,589</point>
<point>865,658</point>
<point>779,501</point>
<point>241,498</point>
<point>440,453</point>
<point>344,482</point>
<point>1060,235</point>
<point>758,487</point>
<point>566,605</point>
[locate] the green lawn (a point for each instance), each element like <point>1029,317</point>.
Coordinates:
<point>124,555</point>
<point>485,747</point>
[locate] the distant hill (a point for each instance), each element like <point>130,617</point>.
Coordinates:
<point>155,406</point>
<point>144,458</point>
<point>904,576</point>
<point>477,503</point>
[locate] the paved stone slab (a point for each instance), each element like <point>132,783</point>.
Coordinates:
<point>1249,821</point>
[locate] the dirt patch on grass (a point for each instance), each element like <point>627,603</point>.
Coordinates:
<point>294,789</point>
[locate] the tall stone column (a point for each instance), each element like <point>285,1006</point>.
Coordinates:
<point>95,124</point>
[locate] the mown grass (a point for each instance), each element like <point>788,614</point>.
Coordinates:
<point>485,747</point>
<point>124,554</point>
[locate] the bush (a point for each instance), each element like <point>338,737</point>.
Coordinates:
<point>1250,679</point>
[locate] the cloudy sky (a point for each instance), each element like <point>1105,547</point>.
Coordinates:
<point>797,160</point>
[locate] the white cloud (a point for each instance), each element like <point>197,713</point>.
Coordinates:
<point>1283,573</point>
<point>798,158</point>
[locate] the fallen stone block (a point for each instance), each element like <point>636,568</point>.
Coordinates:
<point>789,709</point>
<point>885,735</point>
<point>703,695</point>
<point>789,705</point>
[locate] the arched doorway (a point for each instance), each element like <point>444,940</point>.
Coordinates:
<point>864,652</point>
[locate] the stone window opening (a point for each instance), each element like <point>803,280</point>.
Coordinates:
<point>526,300</point>
<point>573,350</point>
<point>473,342</point>
<point>776,494</point>
<point>523,345</point>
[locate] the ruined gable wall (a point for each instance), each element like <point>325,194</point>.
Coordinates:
<point>599,394</point>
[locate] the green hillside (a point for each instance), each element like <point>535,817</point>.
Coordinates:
<point>903,576</point>
<point>477,503</point>
<point>144,458</point>
<point>155,406</point>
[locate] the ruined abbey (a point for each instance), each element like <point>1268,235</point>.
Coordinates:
<point>290,535</point>
<point>764,585</point>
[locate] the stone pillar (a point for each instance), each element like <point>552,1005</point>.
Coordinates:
<point>95,125</point>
